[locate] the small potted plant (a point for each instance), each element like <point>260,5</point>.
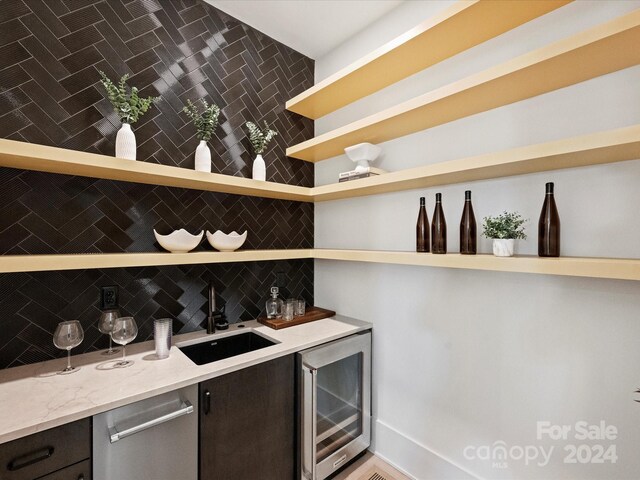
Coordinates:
<point>205,123</point>
<point>259,139</point>
<point>129,107</point>
<point>504,230</point>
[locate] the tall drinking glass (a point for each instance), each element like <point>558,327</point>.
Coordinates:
<point>67,336</point>
<point>124,331</point>
<point>105,325</point>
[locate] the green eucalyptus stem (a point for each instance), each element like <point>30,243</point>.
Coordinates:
<point>205,122</point>
<point>260,138</point>
<point>128,106</point>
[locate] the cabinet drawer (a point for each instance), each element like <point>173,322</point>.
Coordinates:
<point>45,452</point>
<point>79,471</point>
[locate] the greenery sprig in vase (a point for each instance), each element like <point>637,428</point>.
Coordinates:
<point>129,107</point>
<point>260,139</point>
<point>205,123</point>
<point>504,229</point>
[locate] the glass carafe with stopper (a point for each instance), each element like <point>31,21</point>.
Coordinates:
<point>274,304</point>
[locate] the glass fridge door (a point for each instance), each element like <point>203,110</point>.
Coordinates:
<point>336,404</point>
<point>339,405</point>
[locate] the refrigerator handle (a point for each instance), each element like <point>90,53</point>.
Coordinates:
<point>309,424</point>
<point>116,434</point>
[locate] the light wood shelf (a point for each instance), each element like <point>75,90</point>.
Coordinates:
<point>456,29</point>
<point>610,268</point>
<point>30,156</point>
<point>621,269</point>
<point>40,263</point>
<point>589,54</point>
<point>595,148</point>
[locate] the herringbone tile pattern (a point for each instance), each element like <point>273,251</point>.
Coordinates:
<point>51,51</point>
<point>43,213</point>
<point>33,304</point>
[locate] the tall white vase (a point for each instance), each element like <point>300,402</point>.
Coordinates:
<point>126,143</point>
<point>259,169</point>
<point>203,157</point>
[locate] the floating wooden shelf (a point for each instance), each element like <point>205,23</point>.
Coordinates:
<point>621,269</point>
<point>40,263</point>
<point>612,268</point>
<point>595,148</point>
<point>30,156</point>
<point>589,54</point>
<point>458,28</point>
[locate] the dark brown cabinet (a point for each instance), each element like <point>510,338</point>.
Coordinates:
<point>247,423</point>
<point>59,453</point>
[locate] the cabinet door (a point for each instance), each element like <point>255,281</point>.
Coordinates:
<point>79,471</point>
<point>44,452</point>
<point>247,423</point>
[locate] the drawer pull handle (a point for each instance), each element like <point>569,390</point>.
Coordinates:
<point>115,434</point>
<point>30,459</point>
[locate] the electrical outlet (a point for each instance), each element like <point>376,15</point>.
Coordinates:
<point>109,297</point>
<point>281,279</point>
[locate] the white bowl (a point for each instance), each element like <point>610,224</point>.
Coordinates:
<point>362,154</point>
<point>179,241</point>
<point>226,242</point>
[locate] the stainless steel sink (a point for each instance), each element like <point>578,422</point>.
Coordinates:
<point>225,347</point>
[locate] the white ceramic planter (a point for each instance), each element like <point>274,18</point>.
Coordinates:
<point>503,247</point>
<point>203,157</point>
<point>126,143</point>
<point>259,169</point>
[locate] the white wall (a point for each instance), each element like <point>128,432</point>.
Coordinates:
<point>472,358</point>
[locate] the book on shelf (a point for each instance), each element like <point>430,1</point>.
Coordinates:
<point>362,173</point>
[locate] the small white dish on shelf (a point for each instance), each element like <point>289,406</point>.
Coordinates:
<point>179,241</point>
<point>226,242</point>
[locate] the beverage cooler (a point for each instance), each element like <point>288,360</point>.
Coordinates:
<point>335,404</point>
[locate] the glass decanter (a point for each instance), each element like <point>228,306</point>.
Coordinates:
<point>274,304</point>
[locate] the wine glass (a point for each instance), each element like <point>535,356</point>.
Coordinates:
<point>67,336</point>
<point>105,325</point>
<point>124,331</point>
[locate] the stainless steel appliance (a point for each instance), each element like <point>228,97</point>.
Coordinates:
<point>156,438</point>
<point>335,404</point>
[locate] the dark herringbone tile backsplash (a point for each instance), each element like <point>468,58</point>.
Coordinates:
<point>50,53</point>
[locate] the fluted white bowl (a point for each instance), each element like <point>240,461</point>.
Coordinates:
<point>226,242</point>
<point>179,241</point>
<point>362,154</point>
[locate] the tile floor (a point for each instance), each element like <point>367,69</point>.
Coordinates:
<point>367,467</point>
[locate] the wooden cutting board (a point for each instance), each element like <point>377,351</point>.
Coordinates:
<point>312,314</point>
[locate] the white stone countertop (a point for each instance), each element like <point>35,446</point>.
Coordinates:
<point>35,398</point>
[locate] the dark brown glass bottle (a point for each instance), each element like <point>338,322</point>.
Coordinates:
<point>422,229</point>
<point>468,236</point>
<point>438,228</point>
<point>549,226</point>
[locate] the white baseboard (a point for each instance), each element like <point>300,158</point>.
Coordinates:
<point>415,460</point>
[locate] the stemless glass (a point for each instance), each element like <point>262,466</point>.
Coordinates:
<point>105,325</point>
<point>288,311</point>
<point>67,336</point>
<point>124,331</point>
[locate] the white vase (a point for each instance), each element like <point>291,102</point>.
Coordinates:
<point>126,143</point>
<point>503,247</point>
<point>203,157</point>
<point>259,169</point>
